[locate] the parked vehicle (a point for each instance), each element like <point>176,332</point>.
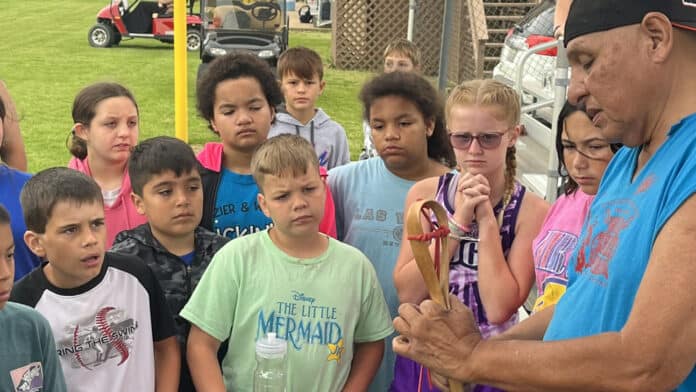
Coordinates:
<point>320,10</point>
<point>258,27</point>
<point>528,63</point>
<point>538,75</point>
<point>141,19</point>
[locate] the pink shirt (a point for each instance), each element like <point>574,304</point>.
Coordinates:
<point>555,244</point>
<point>120,216</point>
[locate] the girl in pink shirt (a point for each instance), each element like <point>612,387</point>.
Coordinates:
<point>105,131</point>
<point>583,155</point>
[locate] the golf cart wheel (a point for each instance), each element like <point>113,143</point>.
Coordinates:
<point>100,36</point>
<point>193,39</point>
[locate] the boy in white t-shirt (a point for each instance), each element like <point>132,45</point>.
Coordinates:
<point>112,327</point>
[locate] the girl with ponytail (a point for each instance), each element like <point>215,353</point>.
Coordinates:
<point>105,129</point>
<point>492,219</point>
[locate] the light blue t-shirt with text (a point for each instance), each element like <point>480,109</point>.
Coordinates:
<point>370,216</point>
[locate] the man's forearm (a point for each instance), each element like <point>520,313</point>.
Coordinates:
<point>570,365</point>
<point>532,328</point>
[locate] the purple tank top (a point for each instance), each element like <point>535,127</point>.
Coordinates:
<point>464,282</point>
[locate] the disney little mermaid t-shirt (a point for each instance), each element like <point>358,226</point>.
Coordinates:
<point>321,306</point>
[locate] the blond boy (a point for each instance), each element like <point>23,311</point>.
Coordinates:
<point>319,294</point>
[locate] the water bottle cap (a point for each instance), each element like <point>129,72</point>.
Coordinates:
<point>271,346</point>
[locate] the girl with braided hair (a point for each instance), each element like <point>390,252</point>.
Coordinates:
<point>492,219</point>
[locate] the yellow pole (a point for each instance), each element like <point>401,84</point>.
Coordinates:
<point>180,71</point>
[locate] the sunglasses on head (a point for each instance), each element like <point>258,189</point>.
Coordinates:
<point>487,140</point>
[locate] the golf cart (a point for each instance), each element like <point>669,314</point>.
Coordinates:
<point>141,19</point>
<point>258,27</point>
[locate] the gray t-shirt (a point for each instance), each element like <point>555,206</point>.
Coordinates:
<point>28,359</point>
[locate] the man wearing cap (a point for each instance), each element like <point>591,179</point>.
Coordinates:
<point>628,319</point>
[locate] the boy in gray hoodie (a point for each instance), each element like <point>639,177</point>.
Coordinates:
<point>301,79</point>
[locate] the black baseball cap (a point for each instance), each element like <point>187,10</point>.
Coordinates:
<point>591,16</point>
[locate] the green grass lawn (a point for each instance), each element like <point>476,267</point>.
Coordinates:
<point>45,60</point>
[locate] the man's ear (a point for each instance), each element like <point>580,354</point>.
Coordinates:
<point>138,203</point>
<point>322,84</point>
<point>658,29</point>
<point>261,199</point>
<point>34,243</point>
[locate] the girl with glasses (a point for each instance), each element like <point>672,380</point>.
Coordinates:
<point>583,155</point>
<point>492,219</point>
<point>408,130</point>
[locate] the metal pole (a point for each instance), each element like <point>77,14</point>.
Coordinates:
<point>180,71</point>
<point>560,90</point>
<point>444,47</point>
<point>411,19</point>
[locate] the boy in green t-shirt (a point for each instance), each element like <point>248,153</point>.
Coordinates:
<point>320,295</point>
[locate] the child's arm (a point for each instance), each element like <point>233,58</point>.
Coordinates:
<point>505,282</point>
<point>11,144</point>
<point>366,361</point>
<point>201,354</point>
<point>167,365</point>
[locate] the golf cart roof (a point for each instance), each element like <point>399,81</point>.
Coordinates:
<point>266,16</point>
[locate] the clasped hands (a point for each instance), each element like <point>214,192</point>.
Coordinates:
<point>472,199</point>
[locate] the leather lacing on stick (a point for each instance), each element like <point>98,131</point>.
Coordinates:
<point>435,270</point>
